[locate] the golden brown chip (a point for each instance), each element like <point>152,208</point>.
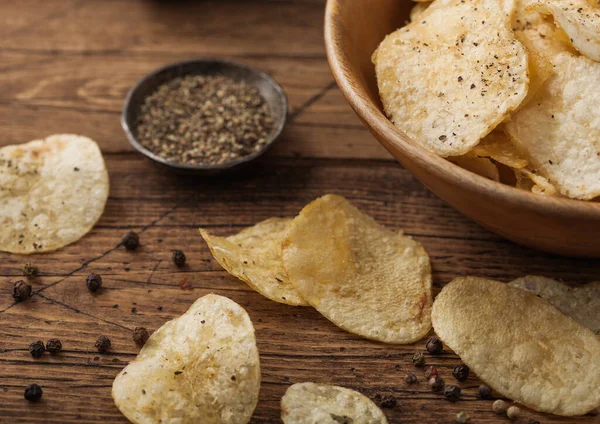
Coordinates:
<point>366,279</point>
<point>202,367</point>
<point>520,345</point>
<point>52,193</point>
<point>497,146</point>
<point>254,256</point>
<point>478,165</point>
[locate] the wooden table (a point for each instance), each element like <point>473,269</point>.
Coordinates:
<point>66,66</point>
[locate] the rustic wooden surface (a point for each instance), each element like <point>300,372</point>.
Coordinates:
<point>65,66</point>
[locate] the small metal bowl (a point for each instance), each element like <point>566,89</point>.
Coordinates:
<point>267,87</point>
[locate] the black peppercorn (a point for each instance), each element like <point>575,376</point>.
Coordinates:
<point>485,392</point>
<point>30,270</point>
<point>131,241</point>
<point>102,344</point>
<point>21,291</point>
<point>140,336</point>
<point>434,346</point>
<point>461,372</point>
<point>418,359</point>
<point>53,346</point>
<point>37,349</point>
<point>436,383</point>
<point>452,393</point>
<point>93,282</point>
<point>385,401</point>
<point>33,393</point>
<point>431,372</point>
<point>411,379</point>
<point>178,258</point>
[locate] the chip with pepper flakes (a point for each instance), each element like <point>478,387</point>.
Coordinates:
<point>202,367</point>
<point>254,256</point>
<point>580,303</point>
<point>448,79</point>
<point>310,403</point>
<point>364,278</point>
<point>417,11</point>
<point>520,345</point>
<point>52,192</point>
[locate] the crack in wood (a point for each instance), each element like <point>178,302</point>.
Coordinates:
<point>311,101</point>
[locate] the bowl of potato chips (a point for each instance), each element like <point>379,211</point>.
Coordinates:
<point>492,104</point>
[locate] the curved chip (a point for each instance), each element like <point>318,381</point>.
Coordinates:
<point>497,146</point>
<point>580,19</point>
<point>580,303</point>
<point>254,256</point>
<point>528,180</point>
<point>310,403</point>
<point>478,165</point>
<point>52,191</point>
<point>417,11</point>
<point>366,279</point>
<point>559,130</point>
<point>520,345</point>
<point>449,79</point>
<point>202,367</point>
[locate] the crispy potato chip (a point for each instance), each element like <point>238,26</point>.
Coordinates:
<point>417,11</point>
<point>580,303</point>
<point>559,130</point>
<point>497,146</point>
<point>480,166</point>
<point>202,367</point>
<point>52,193</point>
<point>580,19</point>
<point>310,403</point>
<point>254,256</point>
<point>530,181</point>
<point>367,280</point>
<point>520,345</point>
<point>449,79</point>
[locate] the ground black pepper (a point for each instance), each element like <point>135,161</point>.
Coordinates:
<point>199,119</point>
<point>30,270</point>
<point>33,393</point>
<point>178,258</point>
<point>93,282</point>
<point>131,241</point>
<point>461,372</point>
<point>434,346</point>
<point>37,349</point>
<point>53,346</point>
<point>103,344</point>
<point>452,393</point>
<point>21,291</point>
<point>418,359</point>
<point>140,336</point>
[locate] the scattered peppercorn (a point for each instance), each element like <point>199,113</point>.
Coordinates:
<point>93,282</point>
<point>178,258</point>
<point>431,372</point>
<point>418,359</point>
<point>462,418</point>
<point>485,392</point>
<point>131,241</point>
<point>513,413</point>
<point>452,393</point>
<point>53,346</point>
<point>37,349</point>
<point>461,372</point>
<point>411,378</point>
<point>434,346</point>
<point>33,393</point>
<point>436,383</point>
<point>499,407</point>
<point>21,291</point>
<point>30,270</point>
<point>385,401</point>
<point>140,336</point>
<point>103,344</point>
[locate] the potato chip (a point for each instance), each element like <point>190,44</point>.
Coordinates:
<point>497,146</point>
<point>580,19</point>
<point>366,279</point>
<point>52,193</point>
<point>449,79</point>
<point>480,166</point>
<point>520,345</point>
<point>310,403</point>
<point>202,367</point>
<point>530,181</point>
<point>417,11</point>
<point>559,130</point>
<point>254,256</point>
<point>580,303</point>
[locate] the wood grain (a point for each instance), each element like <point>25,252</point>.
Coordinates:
<point>69,73</point>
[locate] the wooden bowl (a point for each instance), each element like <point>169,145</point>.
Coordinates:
<point>353,30</point>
